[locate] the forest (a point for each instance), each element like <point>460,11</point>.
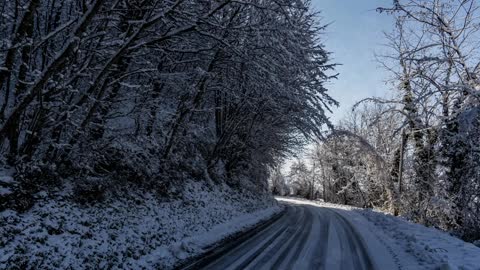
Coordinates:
<point>163,134</point>
<point>109,94</point>
<point>416,151</point>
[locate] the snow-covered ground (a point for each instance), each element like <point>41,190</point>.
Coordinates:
<point>432,248</point>
<point>412,246</point>
<point>144,233</point>
<point>140,232</point>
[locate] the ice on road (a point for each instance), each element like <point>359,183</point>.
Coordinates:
<point>308,237</point>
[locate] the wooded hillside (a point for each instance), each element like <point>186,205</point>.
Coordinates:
<point>153,92</point>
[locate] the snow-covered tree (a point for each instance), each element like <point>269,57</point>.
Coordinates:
<point>153,92</point>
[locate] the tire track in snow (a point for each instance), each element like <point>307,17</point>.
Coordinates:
<point>301,243</point>
<point>287,233</point>
<point>243,248</point>
<point>277,250</point>
<point>301,239</point>
<point>257,243</point>
<point>273,249</point>
<point>358,253</point>
<point>322,242</point>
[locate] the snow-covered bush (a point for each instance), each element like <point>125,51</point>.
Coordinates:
<point>151,93</point>
<point>133,231</point>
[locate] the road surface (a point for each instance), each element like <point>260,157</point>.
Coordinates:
<point>306,237</point>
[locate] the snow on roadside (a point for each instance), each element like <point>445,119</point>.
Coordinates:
<point>196,244</point>
<point>136,233</point>
<point>434,249</point>
<point>412,246</point>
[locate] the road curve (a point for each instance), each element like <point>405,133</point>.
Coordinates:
<point>305,237</point>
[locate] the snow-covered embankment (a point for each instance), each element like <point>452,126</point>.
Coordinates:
<point>140,232</point>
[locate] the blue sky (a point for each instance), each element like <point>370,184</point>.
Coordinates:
<point>353,37</point>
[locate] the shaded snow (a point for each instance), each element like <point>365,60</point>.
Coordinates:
<point>136,233</point>
<point>5,191</point>
<point>7,180</point>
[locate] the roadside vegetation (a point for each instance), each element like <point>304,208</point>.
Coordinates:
<point>414,152</point>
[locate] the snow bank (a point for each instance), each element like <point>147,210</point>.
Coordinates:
<point>136,233</point>
<point>433,249</point>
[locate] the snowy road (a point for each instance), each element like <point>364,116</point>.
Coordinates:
<point>308,237</point>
